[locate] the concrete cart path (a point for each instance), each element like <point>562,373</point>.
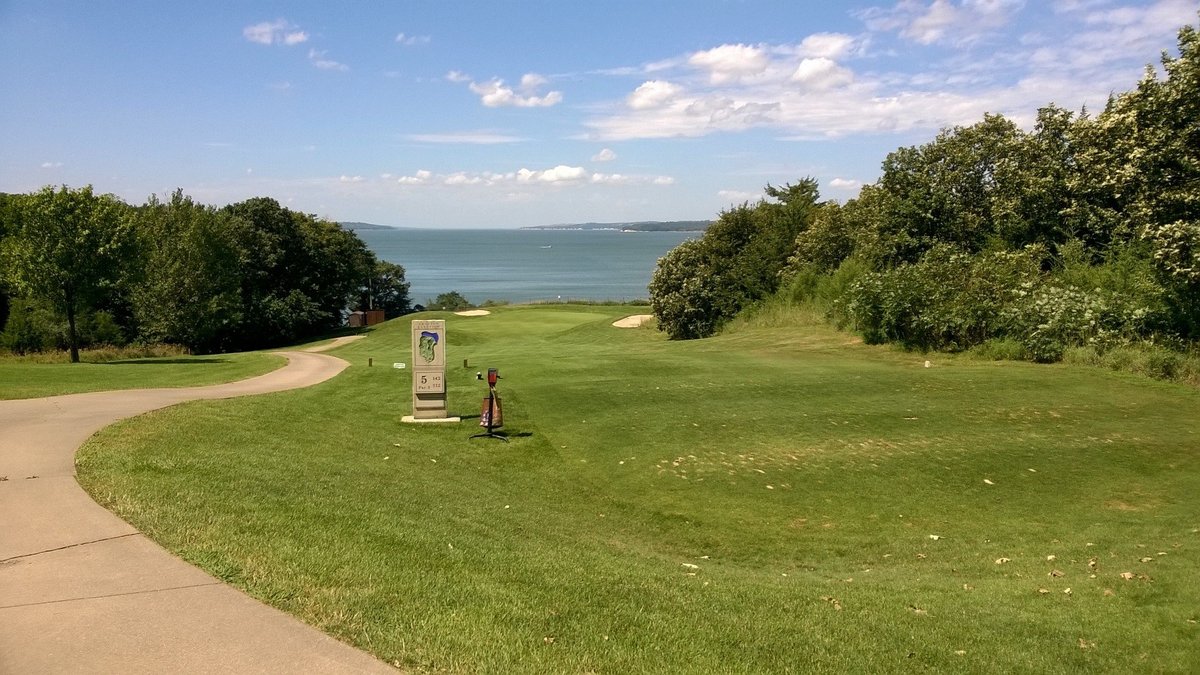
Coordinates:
<point>82,591</point>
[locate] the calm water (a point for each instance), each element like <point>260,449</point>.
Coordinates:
<point>525,265</point>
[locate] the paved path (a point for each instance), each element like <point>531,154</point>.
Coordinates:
<point>82,591</point>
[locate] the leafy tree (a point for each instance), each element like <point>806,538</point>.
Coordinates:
<point>189,293</point>
<point>452,300</point>
<point>386,289</point>
<point>68,247</point>
<point>703,283</point>
<point>687,295</point>
<point>297,273</point>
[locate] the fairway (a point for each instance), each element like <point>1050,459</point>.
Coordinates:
<point>774,500</point>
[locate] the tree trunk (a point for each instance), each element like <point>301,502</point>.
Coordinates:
<point>72,337</point>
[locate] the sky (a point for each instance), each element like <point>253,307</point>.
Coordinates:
<point>508,114</point>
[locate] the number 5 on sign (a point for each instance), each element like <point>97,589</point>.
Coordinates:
<point>429,383</point>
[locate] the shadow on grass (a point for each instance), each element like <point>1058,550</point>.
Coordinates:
<point>154,362</point>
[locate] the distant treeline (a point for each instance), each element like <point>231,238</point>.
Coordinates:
<point>1083,233</point>
<point>641,226</point>
<point>80,269</point>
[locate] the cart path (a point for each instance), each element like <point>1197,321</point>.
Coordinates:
<point>83,591</point>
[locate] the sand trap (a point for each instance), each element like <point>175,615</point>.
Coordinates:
<point>633,321</point>
<point>473,312</point>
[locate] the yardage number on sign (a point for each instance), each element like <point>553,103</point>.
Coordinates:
<point>429,382</point>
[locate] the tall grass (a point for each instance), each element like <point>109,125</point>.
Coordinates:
<point>98,354</point>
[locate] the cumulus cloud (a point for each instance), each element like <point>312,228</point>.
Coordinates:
<point>317,57</point>
<point>558,174</point>
<point>412,40</point>
<point>653,94</point>
<point>351,179</point>
<point>815,88</point>
<point>604,155</point>
<point>279,32</point>
<point>419,178</point>
<point>496,94</point>
<point>457,77</point>
<point>845,184</point>
<point>51,165</point>
<point>730,63</point>
<point>821,73</point>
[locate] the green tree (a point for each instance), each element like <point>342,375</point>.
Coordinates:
<point>703,283</point>
<point>189,293</point>
<point>386,289</point>
<point>450,301</point>
<point>69,247</point>
<point>298,273</point>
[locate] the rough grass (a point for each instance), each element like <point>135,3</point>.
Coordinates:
<point>777,499</point>
<point>30,377</point>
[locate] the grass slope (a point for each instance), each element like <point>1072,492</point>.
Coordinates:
<point>775,500</point>
<point>26,379</point>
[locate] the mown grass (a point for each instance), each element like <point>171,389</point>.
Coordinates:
<point>777,499</point>
<point>40,376</point>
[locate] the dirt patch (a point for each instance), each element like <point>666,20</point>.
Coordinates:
<point>473,312</point>
<point>633,321</point>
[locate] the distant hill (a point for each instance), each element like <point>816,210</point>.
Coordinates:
<point>640,226</point>
<point>351,225</point>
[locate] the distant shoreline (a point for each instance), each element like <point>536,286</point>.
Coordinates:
<point>641,226</point>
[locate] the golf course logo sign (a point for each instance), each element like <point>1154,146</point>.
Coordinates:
<point>429,369</point>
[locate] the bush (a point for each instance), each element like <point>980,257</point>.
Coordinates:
<point>948,300</point>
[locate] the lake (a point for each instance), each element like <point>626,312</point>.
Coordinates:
<point>525,265</point>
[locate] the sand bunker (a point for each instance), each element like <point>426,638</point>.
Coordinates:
<point>633,321</point>
<point>473,312</point>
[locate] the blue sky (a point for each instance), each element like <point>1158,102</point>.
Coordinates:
<point>505,114</point>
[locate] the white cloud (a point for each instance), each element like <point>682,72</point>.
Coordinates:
<point>558,174</point>
<point>413,40</point>
<point>51,165</point>
<point>604,155</point>
<point>737,196</point>
<point>496,94</point>
<point>457,77</point>
<point>561,175</point>
<point>466,137</point>
<point>351,179</point>
<point>845,184</point>
<point>804,92</point>
<point>822,73</point>
<point>279,32</point>
<point>420,178</point>
<point>942,21</point>
<point>317,57</point>
<point>653,94</point>
<point>730,63</point>
<point>827,45</point>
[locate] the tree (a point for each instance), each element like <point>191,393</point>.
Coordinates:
<point>189,293</point>
<point>450,301</point>
<point>703,283</point>
<point>297,272</point>
<point>386,289</point>
<point>687,296</point>
<point>68,247</point>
